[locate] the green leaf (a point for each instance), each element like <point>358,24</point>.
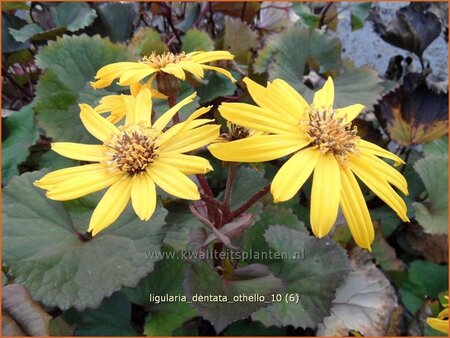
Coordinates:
<point>197,40</point>
<point>248,328</point>
<point>239,39</point>
<point>437,147</point>
<point>425,280</point>
<point>112,318</point>
<point>118,19</point>
<point>26,32</point>
<point>359,13</point>
<point>314,268</point>
<point>254,236</point>
<point>10,6</point>
<point>47,255</point>
<point>385,255</point>
<point>146,41</point>
<point>433,213</point>
<point>9,43</point>
<point>27,313</point>
<point>76,59</point>
<point>165,280</point>
<point>282,58</point>
<point>364,302</point>
<point>73,15</point>
<point>227,307</point>
<point>217,86</point>
<point>21,133</point>
<point>70,63</point>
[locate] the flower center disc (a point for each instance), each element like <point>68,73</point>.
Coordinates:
<point>332,135</point>
<point>162,60</point>
<point>132,151</point>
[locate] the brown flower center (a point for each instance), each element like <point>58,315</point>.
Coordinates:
<point>236,132</point>
<point>132,151</point>
<point>162,60</point>
<point>330,134</point>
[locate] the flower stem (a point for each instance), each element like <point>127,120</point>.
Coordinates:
<point>252,200</point>
<point>215,210</point>
<point>228,189</point>
<point>172,101</point>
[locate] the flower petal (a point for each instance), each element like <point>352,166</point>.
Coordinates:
<point>98,126</point>
<point>271,100</point>
<point>326,189</point>
<point>187,164</point>
<point>291,176</point>
<point>78,151</point>
<point>258,148</point>
<point>378,151</point>
<point>390,174</point>
<point>203,57</point>
<point>191,139</point>
<point>349,113</point>
<point>164,119</point>
<point>378,184</point>
<point>440,325</point>
<point>294,103</point>
<point>182,126</point>
<point>193,68</point>
<point>324,98</point>
<point>110,206</point>
<point>253,117</point>
<point>143,196</point>
<point>173,181</point>
<point>108,73</point>
<point>84,183</point>
<point>131,76</point>
<point>355,210</point>
<point>142,111</point>
<point>54,178</point>
<point>175,70</point>
<point>219,70</point>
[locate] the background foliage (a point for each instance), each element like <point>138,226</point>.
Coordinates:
<point>56,282</point>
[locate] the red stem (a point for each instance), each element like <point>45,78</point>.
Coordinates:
<point>252,200</point>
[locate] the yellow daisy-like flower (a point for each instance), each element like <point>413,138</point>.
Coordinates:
<point>132,160</point>
<point>441,322</point>
<point>130,73</point>
<point>322,141</point>
<point>116,105</point>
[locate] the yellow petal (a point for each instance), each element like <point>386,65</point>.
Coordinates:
<point>294,103</point>
<point>164,119</point>
<point>291,176</point>
<point>253,117</point>
<point>326,189</point>
<point>82,184</point>
<point>96,124</point>
<point>324,98</point>
<point>173,181</point>
<point>175,70</point>
<point>355,210</point>
<point>378,184</point>
<point>378,151</point>
<point>439,324</point>
<point>193,68</point>
<point>220,71</point>
<point>349,113</point>
<point>187,164</point>
<point>390,174</point>
<point>112,103</point>
<point>258,148</point>
<point>203,57</point>
<point>110,206</point>
<point>108,73</point>
<point>191,139</point>
<point>271,100</point>
<point>182,126</point>
<point>131,76</point>
<point>143,196</point>
<point>142,111</point>
<point>78,151</point>
<point>54,178</point>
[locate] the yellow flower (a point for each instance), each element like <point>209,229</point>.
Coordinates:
<point>116,105</point>
<point>441,322</point>
<point>132,160</point>
<point>130,73</point>
<point>323,142</point>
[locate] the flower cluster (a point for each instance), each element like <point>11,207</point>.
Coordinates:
<point>135,157</point>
